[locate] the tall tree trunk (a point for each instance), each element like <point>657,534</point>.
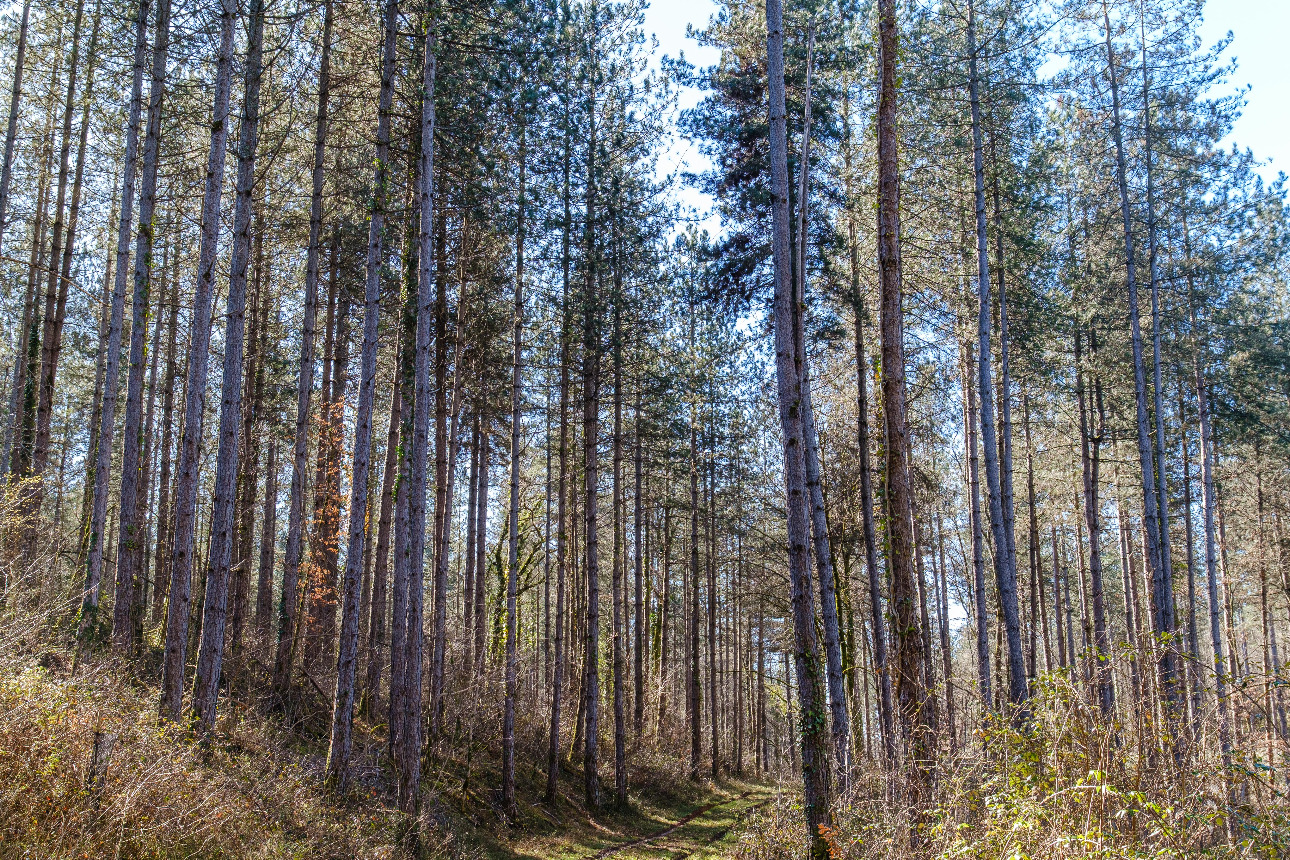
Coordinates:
<point>980,613</point>
<point>1209,505</point>
<point>288,607</point>
<point>943,607</point>
<point>130,545</point>
<point>1000,520</point>
<point>591,347</point>
<point>815,756</point>
<point>51,336</point>
<point>1153,273</point>
<point>268,538</point>
<point>376,632</point>
<point>11,129</point>
<point>664,617</point>
<point>693,694</point>
<point>876,614</point>
<point>112,368</point>
<point>481,549</point>
<point>342,724</point>
<point>18,431</point>
<point>513,520</point>
<point>407,388</point>
<point>562,522</point>
<point>1090,462</point>
<point>472,504</point>
<point>182,561</point>
<point>409,752</point>
<point>839,719</point>
<point>145,497</point>
<point>641,611</point>
<point>1193,640</point>
<point>210,652</point>
<point>164,519</point>
<point>1162,612</point>
<point>442,501</point>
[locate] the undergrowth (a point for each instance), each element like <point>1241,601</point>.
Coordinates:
<point>1064,784</point>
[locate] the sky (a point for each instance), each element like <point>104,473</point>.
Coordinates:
<point>1259,28</point>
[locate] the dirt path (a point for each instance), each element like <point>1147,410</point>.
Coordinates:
<point>685,847</point>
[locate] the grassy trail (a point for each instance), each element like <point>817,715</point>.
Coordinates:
<point>701,826</point>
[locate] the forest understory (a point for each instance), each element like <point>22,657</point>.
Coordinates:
<point>90,770</point>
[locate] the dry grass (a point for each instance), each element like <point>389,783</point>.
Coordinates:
<point>151,792</point>
<point>1068,786</point>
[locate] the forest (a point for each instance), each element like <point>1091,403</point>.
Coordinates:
<point>396,461</point>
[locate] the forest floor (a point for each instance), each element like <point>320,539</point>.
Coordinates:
<point>702,823</point>
<point>88,769</point>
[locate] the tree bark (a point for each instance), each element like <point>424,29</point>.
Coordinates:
<point>513,520</point>
<point>112,368</point>
<point>815,756</point>
<point>376,632</point>
<point>130,543</point>
<point>839,719</point>
<point>1000,521</point>
<point>11,129</point>
<point>1090,462</point>
<point>164,518</point>
<point>409,752</point>
<point>289,605</point>
<point>591,347</point>
<point>1162,613</point>
<point>342,724</point>
<point>210,652</point>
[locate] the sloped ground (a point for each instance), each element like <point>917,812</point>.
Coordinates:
<point>87,769</point>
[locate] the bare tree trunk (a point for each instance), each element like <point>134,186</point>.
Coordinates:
<point>618,573</point>
<point>876,613</point>
<point>11,130</point>
<point>839,719</point>
<point>210,652</point>
<point>409,752</point>
<point>665,616</point>
<point>980,605</point>
<point>145,497</point>
<point>376,632</point>
<point>1162,490</point>
<point>130,545</point>
<point>815,743</point>
<point>1004,558</point>
<point>481,549</point>
<point>453,447</point>
<point>1209,504</point>
<point>1090,461</point>
<point>472,505</point>
<point>641,611</point>
<point>248,478</point>
<point>1038,603</point>
<point>164,519</point>
<point>288,607</point>
<point>561,539</point>
<point>591,348</point>
<point>407,388</point>
<point>693,694</point>
<point>112,368</point>
<point>182,561</point>
<point>513,520</point>
<point>942,622</point>
<point>1162,613</point>
<point>342,724</point>
<point>51,336</point>
<point>1193,640</point>
<point>268,539</point>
